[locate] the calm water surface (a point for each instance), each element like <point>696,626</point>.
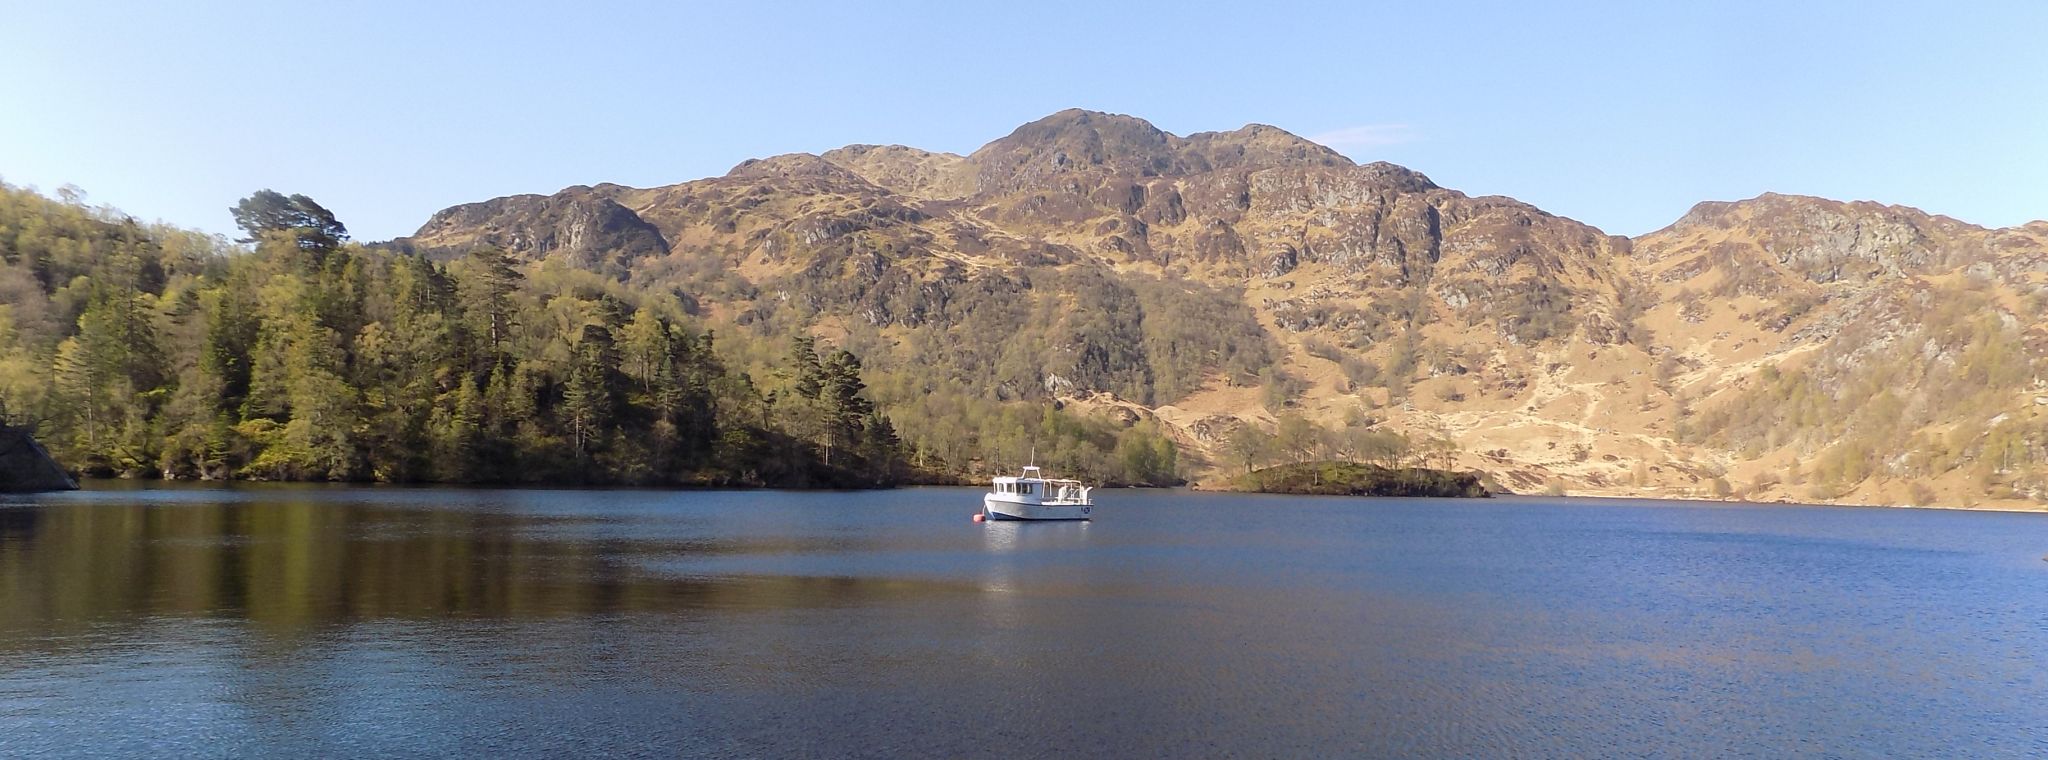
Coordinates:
<point>303,622</point>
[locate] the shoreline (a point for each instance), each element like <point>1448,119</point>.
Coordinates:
<point>100,484</point>
<point>2017,507</point>
<point>2011,507</point>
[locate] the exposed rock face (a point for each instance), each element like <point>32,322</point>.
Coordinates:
<point>1799,249</point>
<point>581,225</point>
<point>1281,262</point>
<point>25,467</point>
<point>1824,241</point>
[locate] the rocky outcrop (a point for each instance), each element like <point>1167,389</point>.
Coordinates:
<point>1256,146</point>
<point>1826,241</point>
<point>1043,154</point>
<point>581,225</point>
<point>26,467</point>
<point>1076,147</point>
<point>1794,250</point>
<point>915,173</point>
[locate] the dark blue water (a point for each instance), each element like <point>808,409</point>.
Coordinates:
<point>302,622</point>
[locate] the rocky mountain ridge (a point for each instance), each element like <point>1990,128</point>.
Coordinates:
<point>1554,355</point>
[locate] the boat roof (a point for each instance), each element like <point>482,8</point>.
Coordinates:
<point>1032,472</point>
<point>1032,479</point>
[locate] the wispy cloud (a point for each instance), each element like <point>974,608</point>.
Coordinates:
<point>1367,136</point>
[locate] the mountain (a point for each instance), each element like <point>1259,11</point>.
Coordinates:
<point>1781,347</point>
<point>1879,353</point>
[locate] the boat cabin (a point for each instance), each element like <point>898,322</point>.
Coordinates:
<point>1032,487</point>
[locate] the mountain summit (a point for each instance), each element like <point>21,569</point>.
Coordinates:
<point>1037,155</point>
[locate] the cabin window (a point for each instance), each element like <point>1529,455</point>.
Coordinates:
<point>1027,489</point>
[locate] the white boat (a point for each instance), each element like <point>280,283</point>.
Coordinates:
<point>1032,496</point>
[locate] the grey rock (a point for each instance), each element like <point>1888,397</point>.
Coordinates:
<point>1281,262</point>
<point>26,467</point>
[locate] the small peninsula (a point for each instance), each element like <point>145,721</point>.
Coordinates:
<point>1335,478</point>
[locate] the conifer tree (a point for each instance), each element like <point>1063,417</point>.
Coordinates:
<point>308,224</point>
<point>587,395</point>
<point>487,299</point>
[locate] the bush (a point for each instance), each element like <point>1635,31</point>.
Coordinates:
<point>1278,389</point>
<point>1720,488</point>
<point>1358,370</point>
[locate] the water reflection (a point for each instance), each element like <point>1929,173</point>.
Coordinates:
<point>294,562</point>
<point>1010,536</point>
<point>1008,542</point>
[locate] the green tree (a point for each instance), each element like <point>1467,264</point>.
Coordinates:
<point>231,333</point>
<point>1300,438</point>
<point>807,375</point>
<point>488,287</point>
<point>1250,447</point>
<point>841,391</point>
<point>111,374</point>
<point>1146,457</point>
<point>589,393</point>
<point>311,226</point>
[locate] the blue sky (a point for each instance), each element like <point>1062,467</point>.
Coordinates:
<point>1618,114</point>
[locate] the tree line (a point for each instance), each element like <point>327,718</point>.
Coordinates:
<point>139,350</point>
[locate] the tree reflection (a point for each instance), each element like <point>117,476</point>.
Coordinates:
<point>291,565</point>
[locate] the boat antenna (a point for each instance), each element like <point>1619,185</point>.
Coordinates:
<point>1034,455</point>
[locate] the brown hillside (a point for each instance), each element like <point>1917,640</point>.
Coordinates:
<point>1779,347</point>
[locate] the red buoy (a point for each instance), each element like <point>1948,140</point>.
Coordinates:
<point>978,517</point>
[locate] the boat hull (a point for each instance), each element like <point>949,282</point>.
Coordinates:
<point>1000,509</point>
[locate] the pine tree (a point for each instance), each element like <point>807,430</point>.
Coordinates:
<point>644,347</point>
<point>846,409</point>
<point>587,395</point>
<point>231,334</point>
<point>488,288</point>
<point>324,422</point>
<point>310,226</point>
<point>457,451</point>
<point>807,376</point>
<point>882,448</point>
<point>111,373</point>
